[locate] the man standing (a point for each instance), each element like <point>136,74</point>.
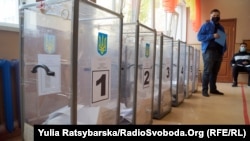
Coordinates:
<point>241,63</point>
<point>212,52</point>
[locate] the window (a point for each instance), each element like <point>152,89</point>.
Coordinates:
<point>146,13</point>
<point>114,5</point>
<point>130,10</point>
<point>160,17</point>
<point>9,11</point>
<point>151,14</point>
<point>181,27</point>
<point>171,24</point>
<point>9,15</point>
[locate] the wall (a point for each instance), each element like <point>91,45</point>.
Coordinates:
<point>230,9</point>
<point>9,49</point>
<point>9,44</point>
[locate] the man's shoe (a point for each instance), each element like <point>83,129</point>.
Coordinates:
<point>234,84</point>
<point>216,92</point>
<point>205,94</point>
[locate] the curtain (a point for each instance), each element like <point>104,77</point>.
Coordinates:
<point>195,13</point>
<point>169,5</point>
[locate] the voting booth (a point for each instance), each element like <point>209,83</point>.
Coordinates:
<point>196,71</point>
<point>189,71</point>
<point>163,74</point>
<point>137,74</point>
<point>70,61</point>
<point>178,73</point>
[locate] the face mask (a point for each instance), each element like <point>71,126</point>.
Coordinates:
<point>216,19</point>
<point>242,49</point>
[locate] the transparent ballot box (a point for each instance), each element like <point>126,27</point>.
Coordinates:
<point>196,71</point>
<point>137,74</point>
<point>178,72</point>
<point>162,84</point>
<point>189,71</point>
<point>70,63</point>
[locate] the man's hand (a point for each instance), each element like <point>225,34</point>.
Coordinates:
<point>216,35</point>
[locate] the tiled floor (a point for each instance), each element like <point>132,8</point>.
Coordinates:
<point>231,108</point>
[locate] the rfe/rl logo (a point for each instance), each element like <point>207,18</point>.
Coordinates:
<point>147,50</point>
<point>102,43</point>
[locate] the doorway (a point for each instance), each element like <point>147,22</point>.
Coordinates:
<point>225,73</point>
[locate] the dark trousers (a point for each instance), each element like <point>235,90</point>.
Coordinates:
<point>237,69</point>
<point>212,61</point>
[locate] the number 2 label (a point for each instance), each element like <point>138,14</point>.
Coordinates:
<point>146,78</point>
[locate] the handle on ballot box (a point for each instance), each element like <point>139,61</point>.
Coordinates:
<point>48,72</point>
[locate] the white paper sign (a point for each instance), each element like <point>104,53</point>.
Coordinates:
<point>101,68</point>
<point>49,84</point>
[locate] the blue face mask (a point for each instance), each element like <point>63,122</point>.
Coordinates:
<point>242,49</point>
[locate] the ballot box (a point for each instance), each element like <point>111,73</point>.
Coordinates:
<point>162,83</point>
<point>196,71</point>
<point>178,73</point>
<point>137,74</point>
<point>189,71</point>
<point>70,61</point>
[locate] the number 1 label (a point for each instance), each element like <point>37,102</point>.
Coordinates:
<point>100,85</point>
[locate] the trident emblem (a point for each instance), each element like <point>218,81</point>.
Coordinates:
<point>49,43</point>
<point>147,50</point>
<point>102,43</point>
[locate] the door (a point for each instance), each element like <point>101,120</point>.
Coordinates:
<point>225,73</point>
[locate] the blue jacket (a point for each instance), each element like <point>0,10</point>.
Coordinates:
<point>205,34</point>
